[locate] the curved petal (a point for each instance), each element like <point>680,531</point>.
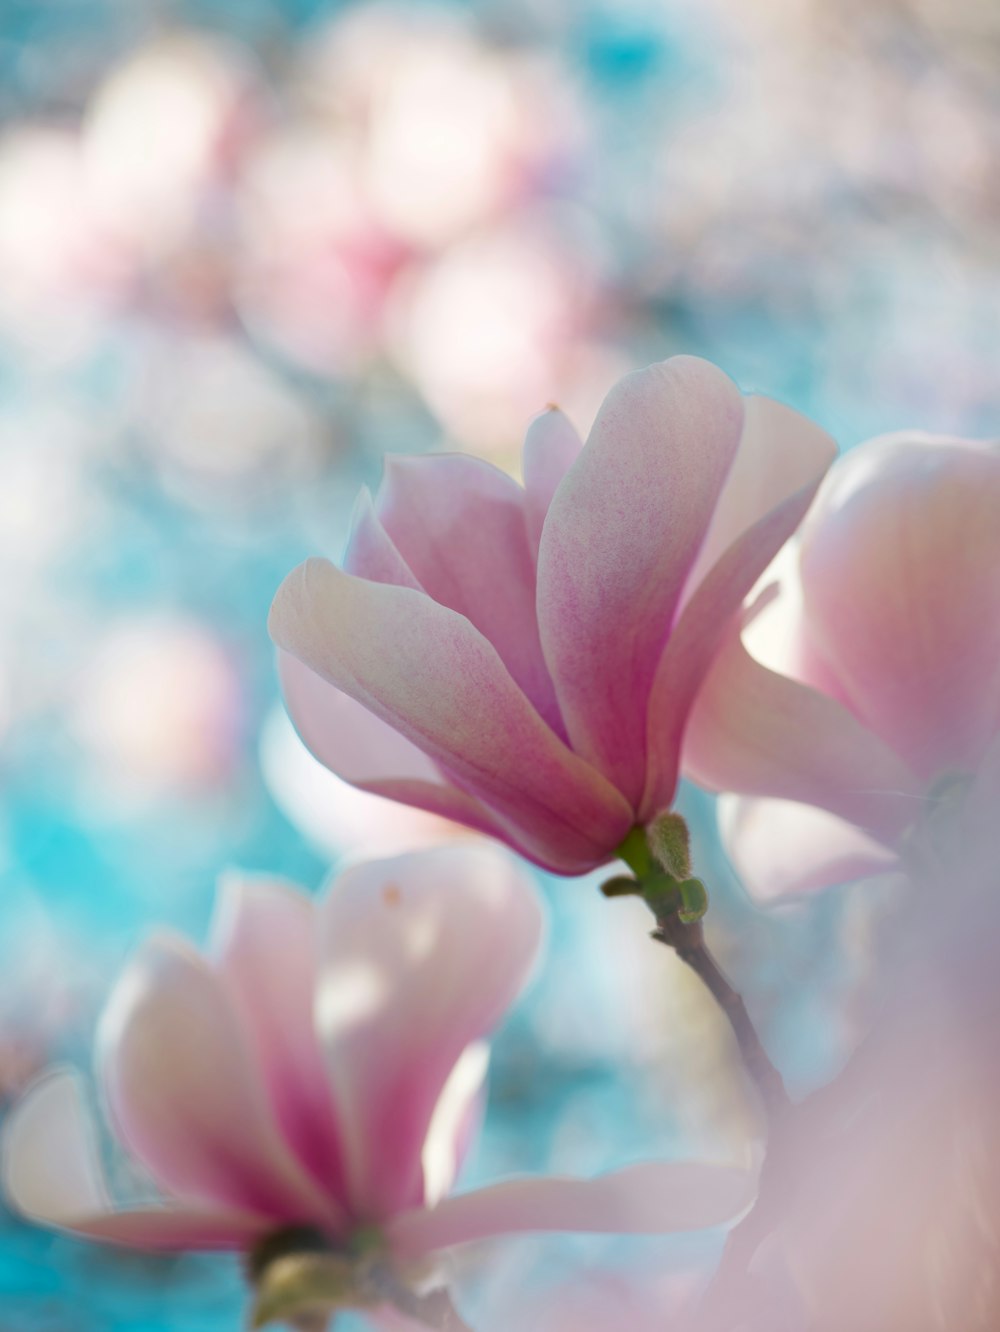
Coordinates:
<point>343,822</point>
<point>551,447</point>
<point>776,630</point>
<point>900,569</point>
<point>780,848</point>
<point>758,733</point>
<point>52,1175</point>
<point>430,674</point>
<point>652,1198</point>
<point>460,525</point>
<point>453,1123</point>
<point>620,537</point>
<point>265,947</point>
<point>779,466</point>
<point>368,752</point>
<point>185,1097</point>
<point>422,955</point>
<point>371,552</point>
<point>782,454</point>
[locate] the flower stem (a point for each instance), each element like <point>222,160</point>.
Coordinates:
<point>664,894</point>
<point>688,942</point>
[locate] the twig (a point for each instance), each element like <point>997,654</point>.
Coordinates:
<point>688,942</point>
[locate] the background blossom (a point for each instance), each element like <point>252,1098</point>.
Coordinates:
<point>324,1068</point>
<point>867,685</point>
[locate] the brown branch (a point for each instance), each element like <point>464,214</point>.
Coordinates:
<point>688,942</point>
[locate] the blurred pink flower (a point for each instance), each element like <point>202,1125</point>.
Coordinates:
<point>323,1067</point>
<point>879,1205</point>
<point>92,224</point>
<point>870,679</point>
<point>542,278</point>
<point>522,660</point>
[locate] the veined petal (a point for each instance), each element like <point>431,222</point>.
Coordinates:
<point>371,551</point>
<point>652,1198</point>
<point>780,463</point>
<point>423,954</point>
<point>758,733</point>
<point>551,447</point>
<point>52,1175</point>
<point>459,523</point>
<point>185,1097</point>
<point>900,567</point>
<point>781,848</point>
<point>265,946</point>
<point>620,537</point>
<point>428,673</point>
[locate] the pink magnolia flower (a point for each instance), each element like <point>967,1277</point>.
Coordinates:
<point>522,659</point>
<point>322,1067</point>
<point>855,695</point>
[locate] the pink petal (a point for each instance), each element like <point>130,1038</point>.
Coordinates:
<point>456,1118</point>
<point>344,822</point>
<point>186,1098</point>
<point>551,446</point>
<point>423,954</point>
<point>776,631</point>
<point>427,672</point>
<point>264,941</point>
<point>787,457</point>
<point>652,1198</point>
<point>758,733</point>
<point>782,456</point>
<point>52,1175</point>
<point>368,752</point>
<point>371,552</point>
<point>621,535</point>
<point>459,523</point>
<point>780,848</point>
<point>901,575</point>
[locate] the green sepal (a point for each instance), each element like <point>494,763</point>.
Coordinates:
<point>670,843</point>
<point>694,901</point>
<point>622,885</point>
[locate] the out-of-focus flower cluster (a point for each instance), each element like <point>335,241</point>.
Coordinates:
<point>236,268</point>
<point>403,195</point>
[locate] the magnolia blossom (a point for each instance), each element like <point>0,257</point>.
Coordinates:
<point>323,1067</point>
<point>522,659</point>
<point>864,687</point>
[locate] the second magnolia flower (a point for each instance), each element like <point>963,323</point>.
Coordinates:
<point>320,1071</point>
<point>523,659</point>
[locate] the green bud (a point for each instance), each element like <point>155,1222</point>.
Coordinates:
<point>694,901</point>
<point>670,843</point>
